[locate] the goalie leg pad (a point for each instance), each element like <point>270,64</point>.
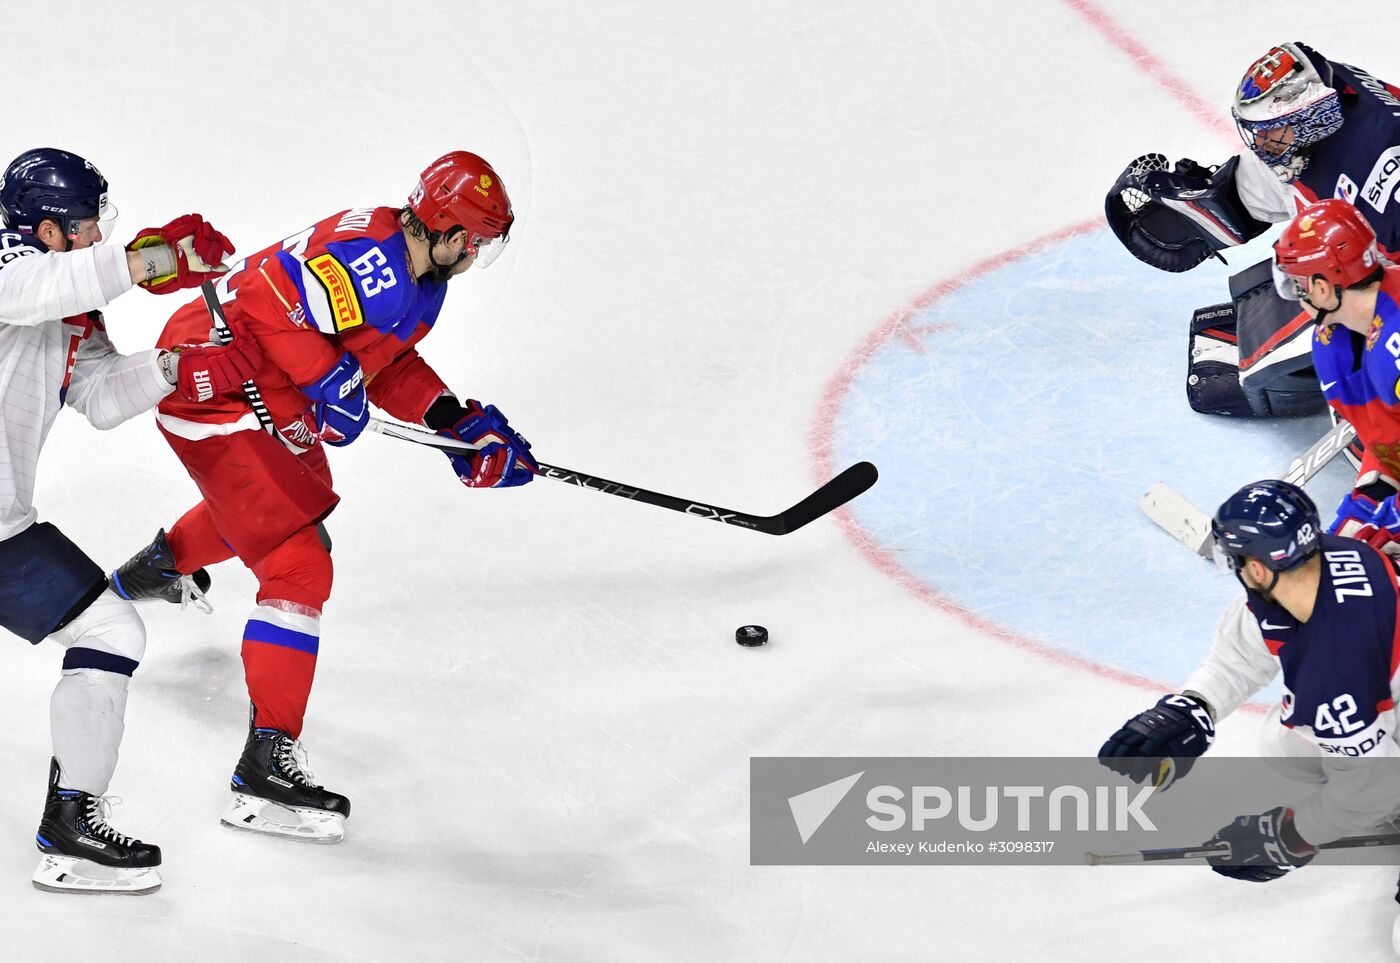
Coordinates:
<point>1213,364</point>
<point>1253,356</point>
<point>1276,368</point>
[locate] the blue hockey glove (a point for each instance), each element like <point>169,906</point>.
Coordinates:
<point>1262,847</point>
<point>1162,743</point>
<point>1361,517</point>
<point>340,406</point>
<point>1353,513</point>
<point>504,460</point>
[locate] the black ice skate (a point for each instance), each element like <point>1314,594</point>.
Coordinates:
<point>148,575</point>
<point>273,792</point>
<point>83,853</point>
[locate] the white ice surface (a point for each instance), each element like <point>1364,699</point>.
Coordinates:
<point>533,697</point>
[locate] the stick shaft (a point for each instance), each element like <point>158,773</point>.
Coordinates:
<point>1178,517</point>
<point>832,495</point>
<point>221,328</point>
<point>1312,461</point>
<point>1204,852</point>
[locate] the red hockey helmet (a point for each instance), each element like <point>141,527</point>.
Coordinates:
<point>1329,238</point>
<point>461,191</point>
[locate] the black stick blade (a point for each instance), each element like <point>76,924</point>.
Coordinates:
<point>831,496</point>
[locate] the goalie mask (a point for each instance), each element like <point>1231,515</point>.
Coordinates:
<point>1284,106</point>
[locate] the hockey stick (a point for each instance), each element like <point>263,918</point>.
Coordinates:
<point>1173,513</point>
<point>225,335</point>
<point>1204,852</point>
<point>835,493</point>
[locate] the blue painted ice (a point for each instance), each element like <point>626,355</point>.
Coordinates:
<point>1043,399</point>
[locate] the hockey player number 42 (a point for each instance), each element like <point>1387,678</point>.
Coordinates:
<point>1342,723</point>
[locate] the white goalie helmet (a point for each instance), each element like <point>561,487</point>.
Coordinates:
<point>1284,106</point>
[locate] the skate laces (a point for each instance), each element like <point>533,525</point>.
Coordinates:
<point>99,810</point>
<point>291,756</point>
<point>191,595</point>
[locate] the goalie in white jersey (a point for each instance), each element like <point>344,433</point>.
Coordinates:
<point>54,277</point>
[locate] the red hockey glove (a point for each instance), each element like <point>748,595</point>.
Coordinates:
<point>209,370</point>
<point>504,460</point>
<point>198,249</point>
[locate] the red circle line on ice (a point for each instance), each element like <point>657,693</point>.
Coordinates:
<point>896,326</point>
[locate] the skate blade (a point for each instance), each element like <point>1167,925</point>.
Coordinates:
<point>256,815</point>
<point>71,874</point>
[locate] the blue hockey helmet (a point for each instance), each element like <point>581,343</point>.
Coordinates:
<point>1273,521</point>
<point>51,184</point>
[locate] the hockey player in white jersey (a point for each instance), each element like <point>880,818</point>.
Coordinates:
<point>1323,610</point>
<point>55,275</point>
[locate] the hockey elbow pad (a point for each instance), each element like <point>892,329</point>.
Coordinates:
<point>340,406</point>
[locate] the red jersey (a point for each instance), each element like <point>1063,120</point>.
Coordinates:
<point>1360,377</point>
<point>344,284</point>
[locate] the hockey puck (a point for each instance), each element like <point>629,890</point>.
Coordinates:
<point>751,635</point>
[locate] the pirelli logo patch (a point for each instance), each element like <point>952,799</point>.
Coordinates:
<point>340,291</point>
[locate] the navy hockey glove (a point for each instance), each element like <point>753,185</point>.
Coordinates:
<point>340,406</point>
<point>1262,847</point>
<point>1162,743</point>
<point>504,460</point>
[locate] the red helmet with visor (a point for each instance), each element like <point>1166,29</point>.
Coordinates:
<point>460,191</point>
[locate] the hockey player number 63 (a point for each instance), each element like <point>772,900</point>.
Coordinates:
<point>374,271</point>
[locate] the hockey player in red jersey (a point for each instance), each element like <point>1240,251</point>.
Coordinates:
<point>337,310</point>
<point>1327,259</point>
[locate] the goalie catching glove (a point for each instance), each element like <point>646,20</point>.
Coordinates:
<point>196,249</point>
<point>1162,743</point>
<point>1175,218</point>
<point>504,458</point>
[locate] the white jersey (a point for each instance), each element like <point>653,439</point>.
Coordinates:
<point>54,349</point>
